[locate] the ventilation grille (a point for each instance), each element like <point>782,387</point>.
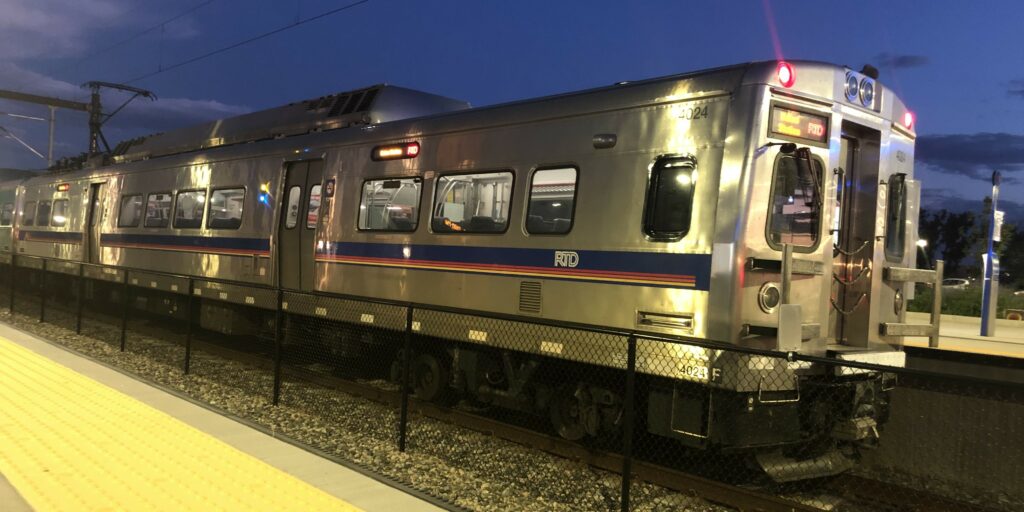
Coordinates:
<point>529,297</point>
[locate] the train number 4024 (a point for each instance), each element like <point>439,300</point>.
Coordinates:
<point>692,113</point>
<point>700,372</point>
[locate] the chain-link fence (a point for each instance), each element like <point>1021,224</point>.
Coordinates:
<point>469,408</point>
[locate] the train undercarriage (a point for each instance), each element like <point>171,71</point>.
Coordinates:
<point>816,429</point>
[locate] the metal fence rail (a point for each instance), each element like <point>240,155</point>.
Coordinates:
<point>629,402</point>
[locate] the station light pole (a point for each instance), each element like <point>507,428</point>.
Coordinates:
<point>990,289</point>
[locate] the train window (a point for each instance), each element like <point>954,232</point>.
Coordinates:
<point>670,198</point>
<point>795,215</point>
<point>30,214</point>
<point>130,212</point>
<point>552,200</point>
<point>43,213</point>
<point>226,208</point>
<point>472,203</point>
<point>896,218</point>
<point>188,209</point>
<point>6,214</point>
<point>60,213</point>
<point>292,207</point>
<point>158,210</point>
<point>389,205</point>
<point>313,213</point>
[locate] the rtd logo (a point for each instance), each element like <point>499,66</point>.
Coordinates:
<point>567,259</point>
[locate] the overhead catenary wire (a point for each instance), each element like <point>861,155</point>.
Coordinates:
<point>141,33</point>
<point>246,41</point>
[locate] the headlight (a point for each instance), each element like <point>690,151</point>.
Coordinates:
<point>768,297</point>
<point>852,87</point>
<point>867,92</point>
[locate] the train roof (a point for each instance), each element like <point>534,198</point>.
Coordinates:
<point>385,112</point>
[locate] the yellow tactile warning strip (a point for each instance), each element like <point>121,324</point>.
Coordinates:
<point>70,443</point>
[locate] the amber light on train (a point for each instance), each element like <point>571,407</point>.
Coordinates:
<point>396,151</point>
<point>63,187</point>
<point>786,74</point>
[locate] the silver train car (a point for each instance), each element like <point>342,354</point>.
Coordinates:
<point>768,205</point>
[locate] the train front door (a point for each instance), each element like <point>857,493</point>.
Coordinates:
<point>299,218</point>
<point>94,223</point>
<point>853,231</point>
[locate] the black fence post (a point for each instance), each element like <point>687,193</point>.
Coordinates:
<point>188,329</point>
<point>627,425</point>
<point>124,312</point>
<point>403,416</point>
<point>79,301</point>
<point>42,293</point>
<point>278,331</point>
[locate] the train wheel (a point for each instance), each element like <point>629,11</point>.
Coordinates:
<point>430,378</point>
<point>567,413</point>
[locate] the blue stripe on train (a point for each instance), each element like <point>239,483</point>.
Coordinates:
<point>696,265</point>
<point>183,241</point>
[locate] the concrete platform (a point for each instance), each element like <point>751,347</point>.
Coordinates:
<point>351,489</point>
<point>962,334</point>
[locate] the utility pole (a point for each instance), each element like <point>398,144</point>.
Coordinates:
<point>95,109</point>
<point>54,104</point>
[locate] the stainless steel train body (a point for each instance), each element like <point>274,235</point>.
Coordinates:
<point>656,206</point>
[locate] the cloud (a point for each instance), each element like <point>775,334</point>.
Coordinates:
<point>937,199</point>
<point>901,61</point>
<point>53,28</point>
<point>973,155</point>
<point>1016,88</point>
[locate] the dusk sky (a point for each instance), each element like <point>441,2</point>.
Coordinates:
<point>958,65</point>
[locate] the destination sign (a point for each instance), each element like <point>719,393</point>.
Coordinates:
<point>799,125</point>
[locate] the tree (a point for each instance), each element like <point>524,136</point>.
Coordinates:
<point>951,237</point>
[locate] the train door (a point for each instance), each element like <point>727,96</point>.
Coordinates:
<point>853,230</point>
<point>299,218</point>
<point>93,223</point>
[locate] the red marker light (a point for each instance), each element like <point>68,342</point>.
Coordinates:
<point>63,187</point>
<point>786,75</point>
<point>908,120</point>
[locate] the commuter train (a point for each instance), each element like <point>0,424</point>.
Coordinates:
<point>767,205</point>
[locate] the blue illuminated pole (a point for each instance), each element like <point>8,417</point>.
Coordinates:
<point>991,282</point>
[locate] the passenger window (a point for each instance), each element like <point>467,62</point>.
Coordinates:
<point>472,203</point>
<point>60,213</point>
<point>292,207</point>
<point>158,210</point>
<point>30,214</point>
<point>796,202</point>
<point>130,212</point>
<point>313,213</point>
<point>226,208</point>
<point>896,218</point>
<point>390,205</point>
<point>188,209</point>
<point>670,198</point>
<point>7,214</point>
<point>552,200</point>
<point>43,213</point>
<point>795,215</point>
